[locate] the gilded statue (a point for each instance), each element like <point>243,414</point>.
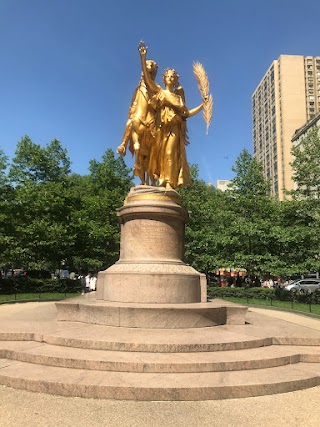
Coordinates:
<point>139,130</point>
<point>157,125</point>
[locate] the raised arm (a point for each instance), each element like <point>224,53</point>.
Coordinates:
<point>149,82</point>
<point>195,110</point>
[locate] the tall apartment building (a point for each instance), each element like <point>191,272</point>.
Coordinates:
<point>285,99</point>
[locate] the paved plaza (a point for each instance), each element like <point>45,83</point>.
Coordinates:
<point>24,408</point>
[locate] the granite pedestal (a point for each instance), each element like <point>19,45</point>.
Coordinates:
<point>150,285</point>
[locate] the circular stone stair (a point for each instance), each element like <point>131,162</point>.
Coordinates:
<point>146,364</point>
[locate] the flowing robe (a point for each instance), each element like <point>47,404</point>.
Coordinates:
<point>168,157</point>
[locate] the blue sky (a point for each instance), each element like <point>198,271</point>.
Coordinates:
<point>69,68</point>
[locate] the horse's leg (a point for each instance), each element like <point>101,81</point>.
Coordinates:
<point>136,145</point>
<point>125,139</point>
<point>143,159</point>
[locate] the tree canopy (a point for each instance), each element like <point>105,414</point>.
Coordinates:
<point>249,180</point>
<point>306,165</point>
<point>49,215</point>
<point>33,163</point>
<point>54,216</point>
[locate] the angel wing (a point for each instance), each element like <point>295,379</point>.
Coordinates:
<point>180,91</point>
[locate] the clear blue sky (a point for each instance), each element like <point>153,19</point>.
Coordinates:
<point>68,68</point>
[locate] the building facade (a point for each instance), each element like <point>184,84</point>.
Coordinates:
<point>223,184</point>
<point>287,97</point>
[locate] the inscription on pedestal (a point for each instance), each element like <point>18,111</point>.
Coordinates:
<point>149,240</point>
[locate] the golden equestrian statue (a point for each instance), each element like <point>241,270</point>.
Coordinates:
<point>157,125</point>
<point>139,127</point>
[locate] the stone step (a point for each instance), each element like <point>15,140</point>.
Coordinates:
<point>68,357</point>
<point>158,340</point>
<point>153,340</point>
<point>158,316</point>
<point>158,386</point>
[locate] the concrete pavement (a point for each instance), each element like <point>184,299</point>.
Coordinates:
<point>23,408</point>
<point>20,408</point>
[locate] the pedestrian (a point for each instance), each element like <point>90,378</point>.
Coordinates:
<point>256,282</point>
<point>93,283</point>
<point>230,282</point>
<point>83,283</point>
<point>88,279</point>
<point>238,281</point>
<point>266,284</point>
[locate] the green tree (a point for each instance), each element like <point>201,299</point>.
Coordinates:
<point>251,234</point>
<point>306,165</point>
<point>96,227</point>
<point>206,230</point>
<point>41,204</point>
<point>253,214</point>
<point>249,180</point>
<point>296,236</point>
<point>33,163</point>
<point>233,228</point>
<point>6,212</point>
<point>43,231</point>
<point>3,167</point>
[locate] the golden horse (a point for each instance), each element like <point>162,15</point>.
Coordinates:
<point>139,130</point>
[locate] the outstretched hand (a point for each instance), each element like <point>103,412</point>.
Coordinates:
<point>142,48</point>
<point>121,150</point>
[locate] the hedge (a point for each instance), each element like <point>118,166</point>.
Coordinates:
<point>225,292</point>
<point>27,285</point>
<point>264,293</point>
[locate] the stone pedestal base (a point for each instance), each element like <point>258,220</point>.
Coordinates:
<point>161,283</point>
<point>151,316</point>
<point>150,286</point>
<point>151,268</point>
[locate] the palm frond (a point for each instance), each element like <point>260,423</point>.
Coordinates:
<point>204,87</point>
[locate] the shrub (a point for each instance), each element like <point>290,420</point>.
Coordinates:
<point>27,285</point>
<point>225,292</point>
<point>264,293</point>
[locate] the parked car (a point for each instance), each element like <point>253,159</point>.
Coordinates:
<point>303,285</point>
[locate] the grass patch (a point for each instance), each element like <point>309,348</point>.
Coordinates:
<point>285,305</point>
